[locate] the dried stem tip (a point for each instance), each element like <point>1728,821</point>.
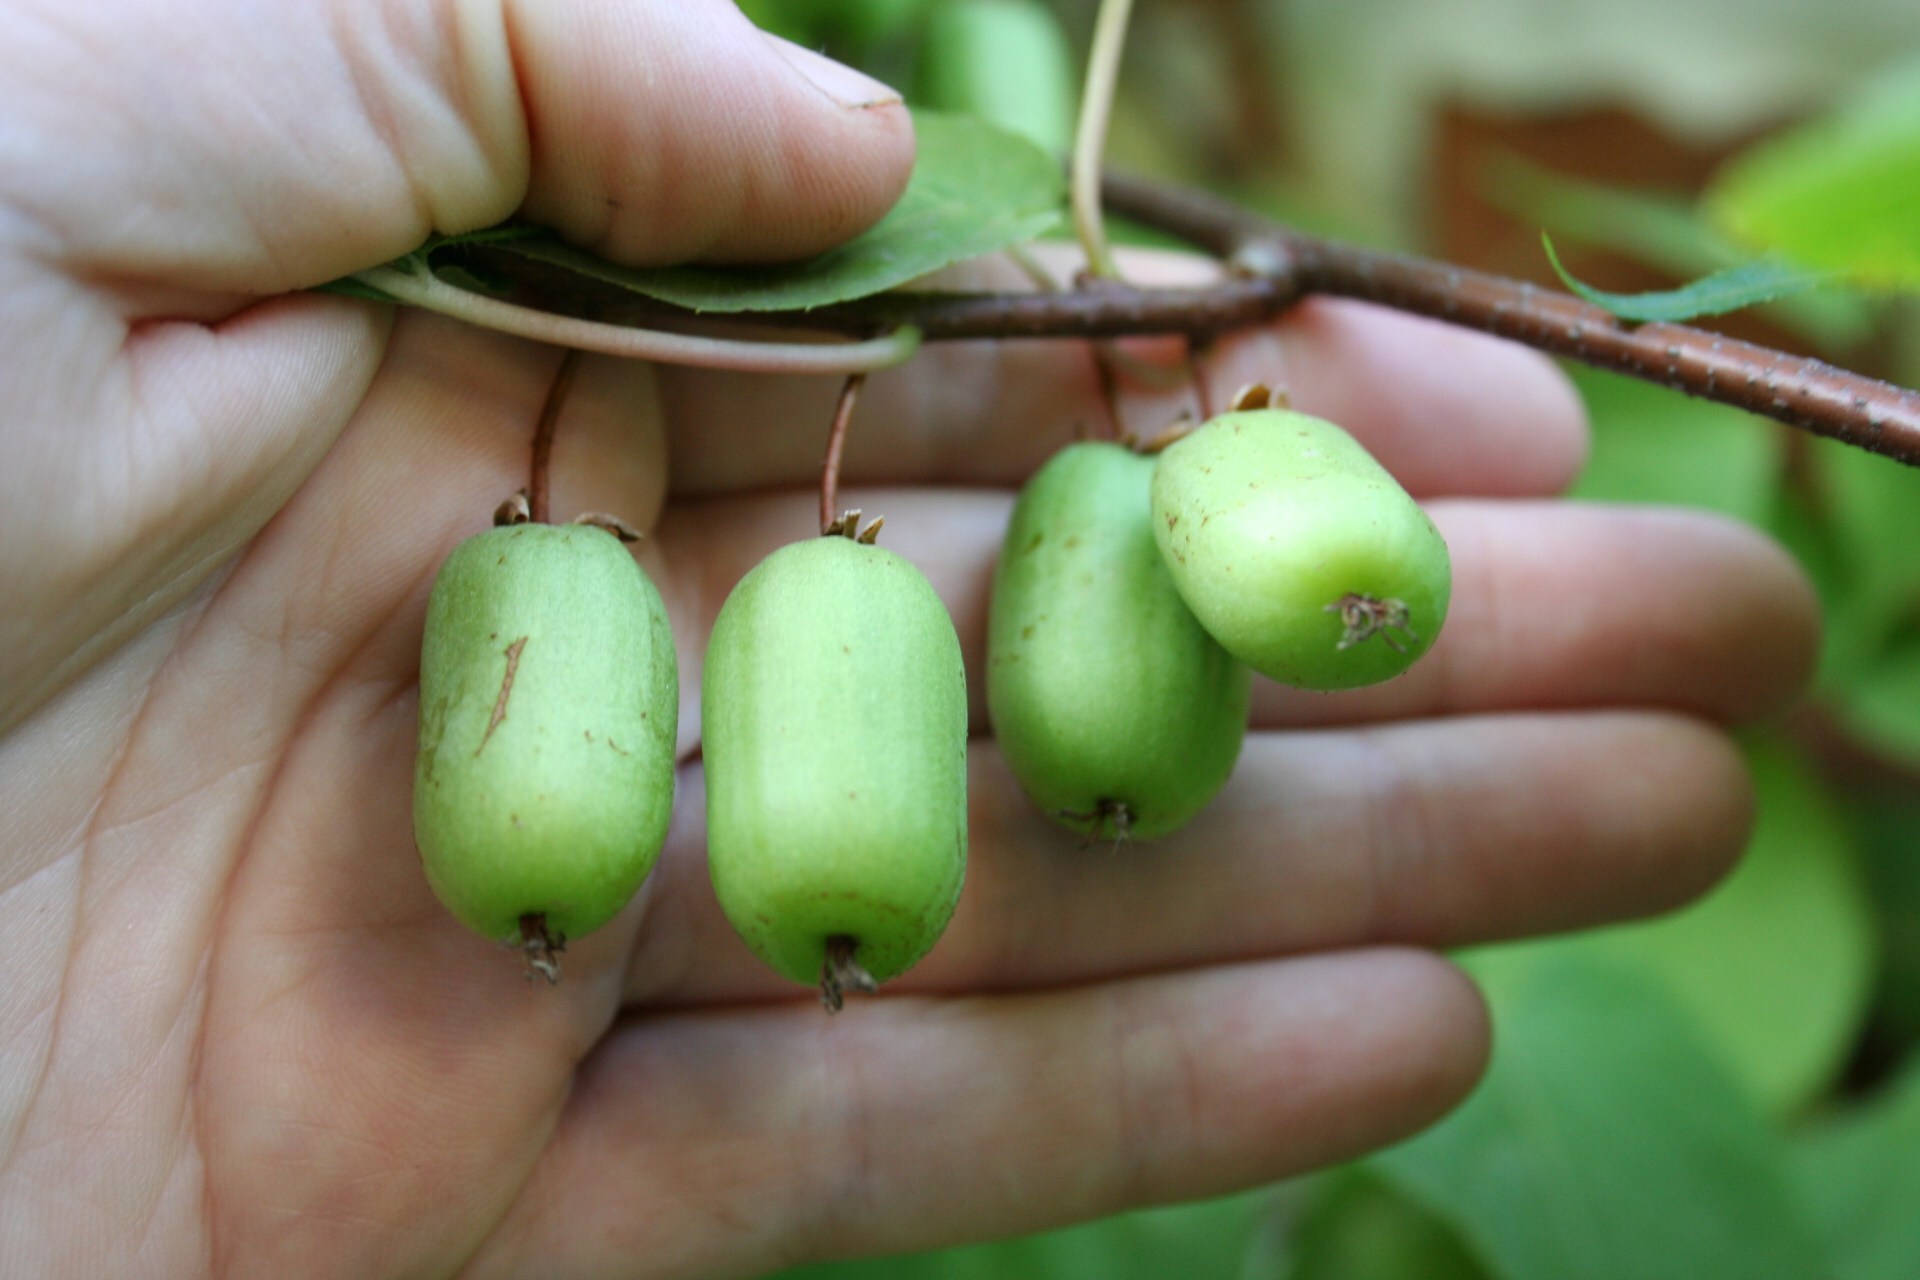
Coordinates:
<point>1364,617</point>
<point>610,524</point>
<point>515,510</point>
<point>1255,395</point>
<point>841,973</point>
<point>541,948</point>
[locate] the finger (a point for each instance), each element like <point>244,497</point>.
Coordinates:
<point>1447,411</point>
<point>1555,605</point>
<point>305,142</point>
<point>383,1024</point>
<point>1571,605</point>
<point>271,148</point>
<point>137,467</point>
<point>772,1136</point>
<point>1437,834</point>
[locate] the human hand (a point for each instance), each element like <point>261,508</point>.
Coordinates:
<point>240,1034</point>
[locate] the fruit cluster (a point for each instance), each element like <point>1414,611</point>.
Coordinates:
<point>1132,595</point>
<point>1134,592</point>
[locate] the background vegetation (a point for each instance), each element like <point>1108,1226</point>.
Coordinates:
<point>1732,1091</point>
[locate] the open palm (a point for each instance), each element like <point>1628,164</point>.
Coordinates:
<point>240,1036</point>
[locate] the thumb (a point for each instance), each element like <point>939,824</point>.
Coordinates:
<point>694,135</point>
<point>162,166</point>
<point>270,147</point>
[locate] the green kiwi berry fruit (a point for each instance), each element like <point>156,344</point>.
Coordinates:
<point>548,699</point>
<point>1117,711</point>
<point>834,727</point>
<point>1298,551</point>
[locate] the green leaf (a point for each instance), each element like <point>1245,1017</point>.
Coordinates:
<point>1841,193</point>
<point>1871,507</point>
<point>1797,524</point>
<point>1717,294</point>
<point>1667,230</point>
<point>1775,966</point>
<point>1880,702</point>
<point>975,188</point>
<point>500,233</point>
<point>1005,61</point>
<point>1860,1178</point>
<point>1356,1226</point>
<point>351,287</point>
<point>1885,815</point>
<point>1651,444</point>
<point>1209,1240</point>
<point>1605,1141</point>
<point>846,29</point>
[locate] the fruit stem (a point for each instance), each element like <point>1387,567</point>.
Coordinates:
<point>1090,137</point>
<point>1202,396</point>
<point>541,948</point>
<point>841,973</point>
<point>421,288</point>
<point>836,444</point>
<point>537,505</point>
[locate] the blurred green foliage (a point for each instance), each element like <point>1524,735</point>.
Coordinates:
<point>1733,1090</point>
<point>1006,61</point>
<point>1841,191</point>
<point>1860,1180</point>
<point>1607,1139</point>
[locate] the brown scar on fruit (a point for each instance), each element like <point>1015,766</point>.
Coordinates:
<point>541,948</point>
<point>506,692</point>
<point>840,973</point>
<point>1362,617</point>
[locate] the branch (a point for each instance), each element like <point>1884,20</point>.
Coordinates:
<point>1796,390</point>
<point>1274,267</point>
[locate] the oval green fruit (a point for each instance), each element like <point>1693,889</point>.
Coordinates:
<point>1298,551</point>
<point>834,723</point>
<point>548,699</point>
<point>1117,711</point>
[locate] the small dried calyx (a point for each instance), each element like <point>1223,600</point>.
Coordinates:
<point>519,510</point>
<point>541,948</point>
<point>1364,617</point>
<point>1114,814</point>
<point>610,523</point>
<point>841,973</point>
<point>848,526</point>
<point>515,510</point>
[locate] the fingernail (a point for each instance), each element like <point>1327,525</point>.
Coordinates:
<point>837,80</point>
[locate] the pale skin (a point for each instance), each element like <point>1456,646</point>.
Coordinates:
<point>239,1036</point>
